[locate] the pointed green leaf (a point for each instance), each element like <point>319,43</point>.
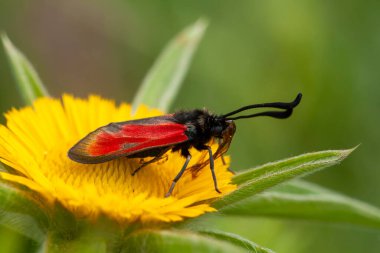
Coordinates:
<point>237,240</point>
<point>303,200</point>
<point>27,79</point>
<point>263,177</point>
<point>21,214</point>
<point>174,241</point>
<point>162,83</point>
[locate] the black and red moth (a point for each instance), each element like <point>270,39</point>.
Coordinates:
<point>153,137</point>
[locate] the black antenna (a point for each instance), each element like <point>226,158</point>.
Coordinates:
<point>288,107</point>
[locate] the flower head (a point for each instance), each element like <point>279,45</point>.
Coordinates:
<point>35,142</point>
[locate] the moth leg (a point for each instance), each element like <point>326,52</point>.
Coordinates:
<point>208,148</point>
<point>179,175</point>
<point>222,156</point>
<point>156,158</point>
<point>212,168</point>
<point>223,160</point>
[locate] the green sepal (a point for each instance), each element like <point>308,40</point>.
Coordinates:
<point>173,241</point>
<point>85,242</point>
<point>236,240</point>
<point>258,179</point>
<point>161,85</point>
<point>303,200</point>
<point>22,214</point>
<point>27,79</point>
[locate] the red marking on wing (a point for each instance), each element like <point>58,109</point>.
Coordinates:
<point>132,138</point>
<point>127,138</point>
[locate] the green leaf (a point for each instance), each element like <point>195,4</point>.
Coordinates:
<point>26,77</point>
<point>162,83</point>
<point>21,214</point>
<point>168,241</point>
<point>263,177</point>
<point>303,200</point>
<point>237,240</point>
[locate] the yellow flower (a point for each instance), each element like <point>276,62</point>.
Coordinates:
<point>35,142</point>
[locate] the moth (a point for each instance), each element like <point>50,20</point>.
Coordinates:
<point>180,131</point>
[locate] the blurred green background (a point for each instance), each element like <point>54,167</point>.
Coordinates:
<point>253,51</point>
